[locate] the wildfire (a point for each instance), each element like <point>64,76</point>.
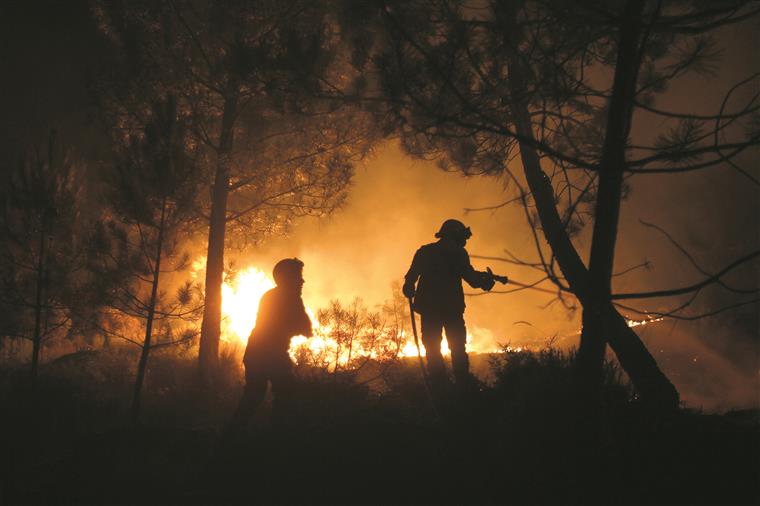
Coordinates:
<point>240,304</point>
<point>410,349</point>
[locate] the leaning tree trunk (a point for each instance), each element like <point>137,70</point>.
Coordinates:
<point>634,358</point>
<point>212,309</point>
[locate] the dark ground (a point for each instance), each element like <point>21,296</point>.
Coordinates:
<point>521,440</point>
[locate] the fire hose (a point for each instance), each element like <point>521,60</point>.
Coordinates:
<point>425,378</point>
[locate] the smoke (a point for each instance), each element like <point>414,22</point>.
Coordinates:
<point>707,377</point>
<point>396,204</point>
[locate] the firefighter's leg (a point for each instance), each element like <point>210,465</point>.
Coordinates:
<point>283,391</point>
<point>253,394</point>
<point>456,336</point>
<point>431,338</point>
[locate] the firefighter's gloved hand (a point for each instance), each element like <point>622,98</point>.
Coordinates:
<point>487,281</point>
<point>408,290</point>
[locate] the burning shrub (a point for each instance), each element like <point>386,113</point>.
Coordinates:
<point>350,341</point>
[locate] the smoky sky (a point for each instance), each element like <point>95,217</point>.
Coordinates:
<point>397,203</point>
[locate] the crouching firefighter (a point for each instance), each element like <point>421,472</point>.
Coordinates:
<point>437,270</point>
<point>281,316</point>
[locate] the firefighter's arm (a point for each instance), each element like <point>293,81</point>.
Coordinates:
<point>302,321</point>
<point>411,276</point>
<point>476,279</point>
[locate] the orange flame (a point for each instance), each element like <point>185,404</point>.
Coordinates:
<point>240,303</point>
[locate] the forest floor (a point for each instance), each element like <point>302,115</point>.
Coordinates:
<point>520,439</point>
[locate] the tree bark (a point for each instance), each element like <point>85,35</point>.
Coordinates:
<point>212,309</point>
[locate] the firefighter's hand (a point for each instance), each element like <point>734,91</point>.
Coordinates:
<point>488,281</point>
<point>408,290</point>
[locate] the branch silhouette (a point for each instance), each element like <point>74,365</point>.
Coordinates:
<point>691,288</point>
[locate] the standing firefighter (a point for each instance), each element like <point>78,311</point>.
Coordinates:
<point>281,316</point>
<point>440,268</point>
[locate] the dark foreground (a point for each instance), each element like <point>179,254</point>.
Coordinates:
<point>521,440</point>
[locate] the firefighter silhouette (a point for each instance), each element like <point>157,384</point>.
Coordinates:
<point>281,316</point>
<point>437,270</point>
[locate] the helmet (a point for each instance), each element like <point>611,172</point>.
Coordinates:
<point>287,270</point>
<point>455,229</point>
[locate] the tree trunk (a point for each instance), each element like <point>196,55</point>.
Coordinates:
<point>37,338</point>
<point>47,215</point>
<point>142,365</point>
<point>651,383</point>
<point>609,193</point>
<point>212,309</point>
<point>640,366</point>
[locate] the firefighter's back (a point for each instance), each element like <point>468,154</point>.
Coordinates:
<point>440,284</point>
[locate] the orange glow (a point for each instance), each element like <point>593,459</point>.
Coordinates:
<point>646,321</point>
<point>240,304</point>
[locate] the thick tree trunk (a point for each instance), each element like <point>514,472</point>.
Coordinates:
<point>212,310</point>
<point>142,365</point>
<point>609,192</point>
<point>640,366</point>
<point>651,383</point>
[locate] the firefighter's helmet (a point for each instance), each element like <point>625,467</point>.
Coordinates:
<point>454,229</point>
<point>287,271</point>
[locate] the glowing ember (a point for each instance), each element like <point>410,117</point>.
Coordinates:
<point>647,321</point>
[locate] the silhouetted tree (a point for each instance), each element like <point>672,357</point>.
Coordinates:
<point>43,244</point>
<point>557,84</point>
<point>248,74</point>
<point>154,189</point>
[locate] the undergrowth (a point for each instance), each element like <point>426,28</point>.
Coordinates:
<point>522,437</point>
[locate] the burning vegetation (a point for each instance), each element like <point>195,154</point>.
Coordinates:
<point>159,157</point>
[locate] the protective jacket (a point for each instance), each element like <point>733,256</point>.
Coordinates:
<point>441,266</point>
<point>281,316</point>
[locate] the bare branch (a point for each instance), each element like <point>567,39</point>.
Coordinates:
<point>692,288</point>
<point>689,317</point>
<point>690,258</point>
